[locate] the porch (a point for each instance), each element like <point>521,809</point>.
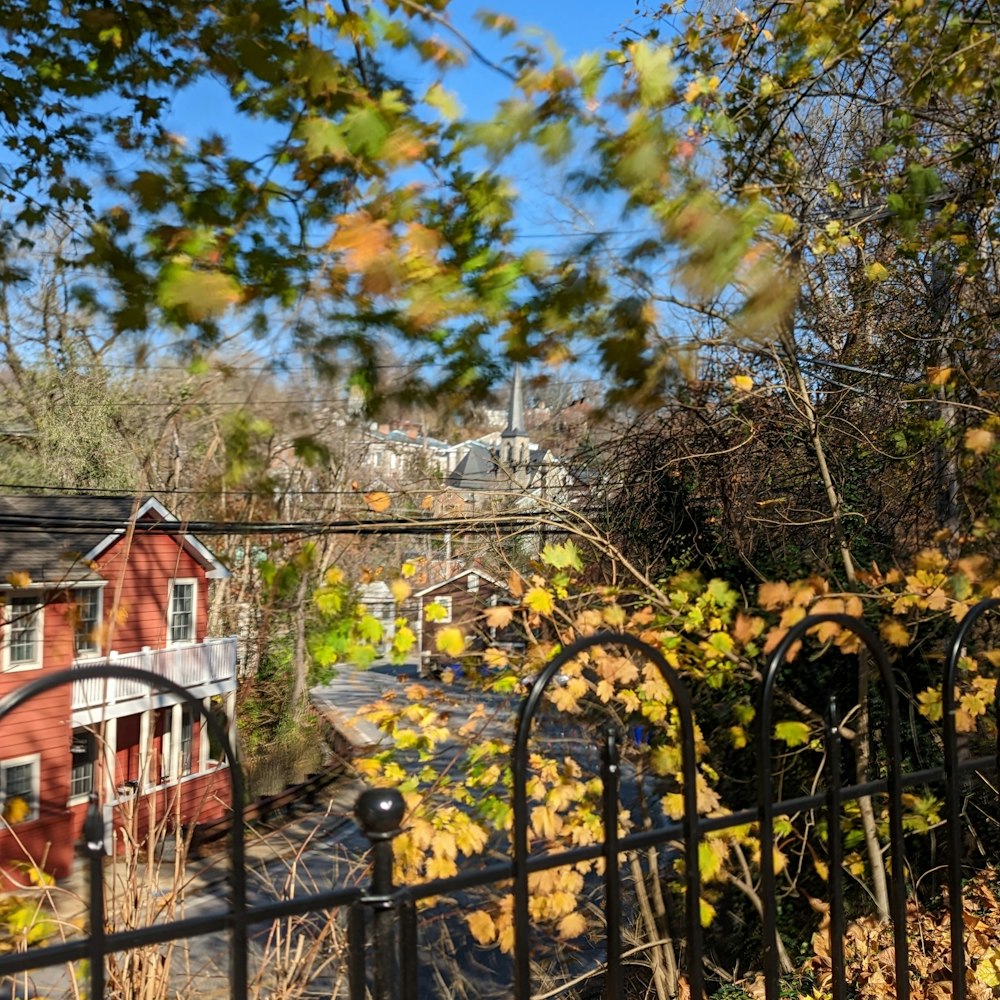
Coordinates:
<point>205,669</point>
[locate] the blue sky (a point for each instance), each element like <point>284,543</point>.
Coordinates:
<point>546,216</point>
<point>576,27</point>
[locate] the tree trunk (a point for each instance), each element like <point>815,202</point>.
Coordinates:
<point>880,889</point>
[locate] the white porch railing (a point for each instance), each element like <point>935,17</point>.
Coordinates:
<point>210,662</point>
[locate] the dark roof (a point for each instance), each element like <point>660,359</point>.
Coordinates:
<point>51,537</point>
<point>476,470</point>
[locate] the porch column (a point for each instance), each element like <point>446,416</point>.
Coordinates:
<point>230,703</point>
<point>110,796</point>
<point>203,736</point>
<point>145,744</point>
<point>176,725</point>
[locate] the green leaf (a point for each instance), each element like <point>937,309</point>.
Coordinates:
<point>444,102</point>
<point>792,732</point>
<point>200,294</point>
<point>655,71</point>
<point>563,556</point>
<point>323,138</point>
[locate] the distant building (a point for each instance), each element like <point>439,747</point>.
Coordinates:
<point>463,596</point>
<point>508,462</point>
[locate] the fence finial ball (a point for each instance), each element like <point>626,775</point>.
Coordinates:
<point>380,811</point>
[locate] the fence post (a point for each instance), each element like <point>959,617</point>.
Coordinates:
<point>93,837</point>
<point>380,815</point>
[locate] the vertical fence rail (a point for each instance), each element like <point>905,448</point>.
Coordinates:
<point>380,816</point>
<point>953,789</point>
<point>835,874</point>
<point>611,784</point>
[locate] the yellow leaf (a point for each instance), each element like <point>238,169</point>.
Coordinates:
<point>334,576</point>
<point>988,969</point>
<point>572,925</point>
<point>435,612</point>
<point>931,705</point>
<point>545,822</point>
<point>939,376</point>
<point>408,569</point>
<point>440,867</point>
<point>482,927</point>
<point>614,615</point>
<point>19,578</point>
<point>741,383</point>
<point>894,632</point>
<point>711,854</point>
<point>496,658</point>
<point>538,599</point>
<point>401,590</point>
<point>707,912</point>
<point>979,440</point>
<point>781,223</point>
<point>876,271</point>
<point>792,732</point>
<point>378,501</point>
<point>199,294</point>
<point>450,641</point>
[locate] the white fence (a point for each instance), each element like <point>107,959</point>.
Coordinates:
<point>210,662</point>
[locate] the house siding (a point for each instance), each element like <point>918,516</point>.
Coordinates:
<point>467,610</point>
<point>142,591</point>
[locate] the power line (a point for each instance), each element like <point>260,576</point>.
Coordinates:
<point>481,524</point>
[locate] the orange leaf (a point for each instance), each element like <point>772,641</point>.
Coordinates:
<point>378,501</point>
<point>499,616</point>
<point>772,596</point>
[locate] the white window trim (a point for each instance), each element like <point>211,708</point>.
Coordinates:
<point>35,664</point>
<point>193,581</point>
<point>35,760</point>
<point>90,654</point>
<point>75,800</point>
<point>446,603</point>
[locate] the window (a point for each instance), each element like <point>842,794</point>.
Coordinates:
<point>87,620</point>
<point>83,753</point>
<point>473,583</point>
<point>167,743</point>
<point>23,647</point>
<point>445,603</point>
<point>182,611</point>
<point>19,790</point>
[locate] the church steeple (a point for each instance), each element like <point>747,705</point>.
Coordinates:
<point>514,443</point>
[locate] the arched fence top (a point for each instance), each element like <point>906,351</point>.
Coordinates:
<point>237,918</point>
<point>529,707</point>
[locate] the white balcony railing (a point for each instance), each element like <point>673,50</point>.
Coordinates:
<point>208,663</point>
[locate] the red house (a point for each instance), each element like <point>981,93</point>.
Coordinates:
<point>89,579</point>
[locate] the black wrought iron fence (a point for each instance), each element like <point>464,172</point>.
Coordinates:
<point>383,957</point>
